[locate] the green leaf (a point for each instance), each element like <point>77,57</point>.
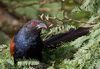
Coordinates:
<point>20,11</point>
<point>30,12</point>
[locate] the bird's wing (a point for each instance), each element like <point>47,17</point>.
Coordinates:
<point>12,44</point>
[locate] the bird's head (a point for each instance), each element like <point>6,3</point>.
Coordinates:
<point>34,26</point>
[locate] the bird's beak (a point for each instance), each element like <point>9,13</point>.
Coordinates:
<point>41,25</point>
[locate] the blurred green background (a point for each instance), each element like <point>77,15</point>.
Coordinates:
<point>15,13</point>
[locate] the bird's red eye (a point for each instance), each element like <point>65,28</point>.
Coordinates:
<point>34,23</point>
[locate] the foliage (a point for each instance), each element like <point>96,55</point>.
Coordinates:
<point>91,6</point>
<point>87,55</point>
<point>81,53</point>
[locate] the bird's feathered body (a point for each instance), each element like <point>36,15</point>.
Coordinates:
<point>27,44</point>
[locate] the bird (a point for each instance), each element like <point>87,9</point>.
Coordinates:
<point>27,44</point>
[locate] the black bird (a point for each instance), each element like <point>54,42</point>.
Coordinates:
<point>27,44</point>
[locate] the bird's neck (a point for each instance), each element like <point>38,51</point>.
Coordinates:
<point>28,36</point>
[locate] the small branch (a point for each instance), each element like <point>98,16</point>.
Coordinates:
<point>67,19</point>
<point>72,20</point>
<point>41,3</point>
<point>25,5</point>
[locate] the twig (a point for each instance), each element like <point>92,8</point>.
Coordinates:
<point>67,19</point>
<point>25,5</point>
<point>41,3</point>
<point>72,20</point>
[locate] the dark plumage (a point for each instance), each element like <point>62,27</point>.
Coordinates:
<point>63,37</point>
<point>27,44</point>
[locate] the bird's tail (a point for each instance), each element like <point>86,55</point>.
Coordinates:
<point>70,35</point>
